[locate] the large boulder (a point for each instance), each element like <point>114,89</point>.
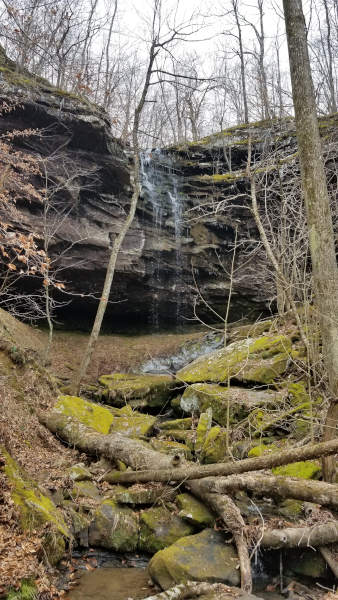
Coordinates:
<point>119,389</point>
<point>106,420</point>
<point>160,528</point>
<point>253,360</point>
<point>200,557</point>
<point>241,401</point>
<point>114,527</point>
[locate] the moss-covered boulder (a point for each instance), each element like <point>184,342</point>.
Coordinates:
<point>291,509</point>
<point>106,420</point>
<point>176,424</point>
<point>307,563</point>
<point>260,360</point>
<point>139,494</point>
<point>194,511</point>
<point>131,423</point>
<point>79,522</point>
<point>79,472</point>
<point>180,435</point>
<point>203,428</point>
<point>89,413</point>
<point>36,509</point>
<point>160,528</point>
<point>121,388</point>
<point>200,396</point>
<point>171,447</point>
<point>200,557</point>
<point>114,527</point>
<point>85,489</point>
<point>214,448</point>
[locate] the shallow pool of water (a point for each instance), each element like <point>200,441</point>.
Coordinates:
<point>112,584</point>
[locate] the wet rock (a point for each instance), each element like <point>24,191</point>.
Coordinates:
<point>259,360</point>
<point>114,527</point>
<point>194,511</point>
<point>200,557</point>
<point>200,396</point>
<point>160,528</point>
<point>121,388</point>
<point>307,563</point>
<point>187,353</point>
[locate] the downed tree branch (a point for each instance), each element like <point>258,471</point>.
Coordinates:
<point>113,446</point>
<point>191,589</point>
<point>266,461</point>
<point>292,537</point>
<point>225,508</point>
<point>319,492</point>
<point>330,559</point>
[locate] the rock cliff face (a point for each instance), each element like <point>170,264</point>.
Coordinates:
<point>184,232</point>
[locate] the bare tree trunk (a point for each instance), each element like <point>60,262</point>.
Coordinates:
<point>330,559</point>
<point>320,492</point>
<point>276,459</point>
<point>124,229</point>
<point>319,219</point>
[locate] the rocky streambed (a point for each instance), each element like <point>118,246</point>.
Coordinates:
<point>248,400</point>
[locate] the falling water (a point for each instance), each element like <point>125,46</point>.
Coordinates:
<point>161,188</point>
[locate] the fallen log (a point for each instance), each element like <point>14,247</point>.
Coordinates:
<point>318,492</point>
<point>266,461</point>
<point>113,446</point>
<point>293,537</point>
<point>191,589</point>
<point>225,508</point>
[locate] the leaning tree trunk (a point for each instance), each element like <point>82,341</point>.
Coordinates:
<point>316,198</point>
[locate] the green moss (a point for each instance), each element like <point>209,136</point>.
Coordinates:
<point>203,428</point>
<point>215,446</point>
<point>121,388</point>
<point>176,423</point>
<point>243,360</point>
<point>262,449</point>
<point>263,421</point>
<point>169,447</point>
<point>303,470</point>
<point>27,591</point>
<point>194,511</point>
<point>90,414</point>
<point>36,509</point>
<point>160,528</point>
<point>114,527</point>
<point>291,509</point>
<point>187,437</point>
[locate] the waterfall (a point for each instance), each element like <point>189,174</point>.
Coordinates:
<point>163,198</point>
